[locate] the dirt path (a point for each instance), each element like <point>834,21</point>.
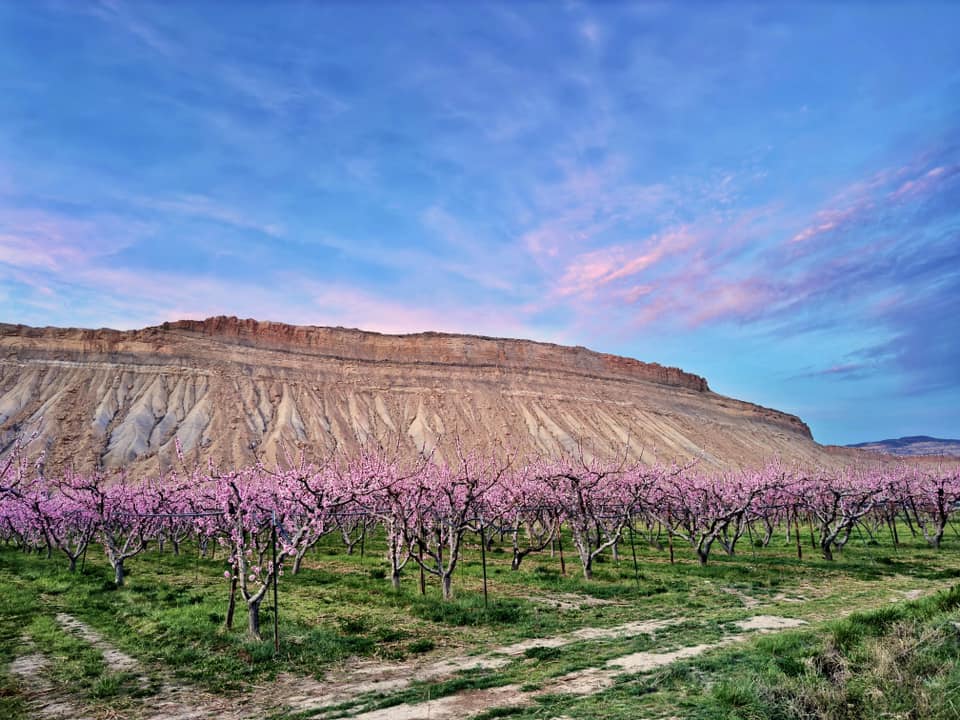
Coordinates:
<point>582,682</point>
<point>288,693</point>
<point>307,694</point>
<point>44,700</point>
<point>116,660</point>
<point>173,700</point>
<point>453,707</point>
<point>748,601</point>
<point>568,601</point>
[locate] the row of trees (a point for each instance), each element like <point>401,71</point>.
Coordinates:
<point>267,519</point>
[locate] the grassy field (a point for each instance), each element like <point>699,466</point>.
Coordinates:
<point>897,658</point>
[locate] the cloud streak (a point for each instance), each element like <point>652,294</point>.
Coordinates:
<point>685,186</point>
<point>852,264</point>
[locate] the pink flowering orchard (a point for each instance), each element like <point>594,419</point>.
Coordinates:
<point>264,519</point>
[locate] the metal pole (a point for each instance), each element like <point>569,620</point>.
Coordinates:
<point>423,579</point>
<point>633,551</point>
<point>796,533</point>
<point>563,564</point>
<point>363,537</point>
<point>892,523</point>
<point>276,610</point>
<point>753,548</point>
<point>483,556</point>
<point>670,535</point>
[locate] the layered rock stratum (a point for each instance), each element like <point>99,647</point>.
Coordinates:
<point>238,390</point>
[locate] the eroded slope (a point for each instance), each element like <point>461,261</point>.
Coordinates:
<point>237,389</point>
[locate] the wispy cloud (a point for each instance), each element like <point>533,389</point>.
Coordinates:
<point>34,240</point>
<point>590,273</point>
<point>124,17</point>
<point>846,371</point>
<point>204,207</point>
<point>635,177</point>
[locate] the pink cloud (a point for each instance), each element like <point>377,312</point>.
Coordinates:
<point>922,184</point>
<point>634,294</point>
<point>696,295</point>
<point>36,240</point>
<point>728,267</point>
<point>777,279</point>
<point>71,270</point>
<point>742,299</point>
<point>863,198</point>
<point>69,267</point>
<point>588,272</point>
<point>826,221</point>
<point>587,203</point>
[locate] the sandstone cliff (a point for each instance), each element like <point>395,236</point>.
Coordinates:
<point>236,389</point>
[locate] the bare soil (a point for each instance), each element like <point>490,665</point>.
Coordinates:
<point>43,699</point>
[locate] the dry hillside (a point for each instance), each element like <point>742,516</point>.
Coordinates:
<point>236,389</point>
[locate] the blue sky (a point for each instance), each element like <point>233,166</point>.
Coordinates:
<point>767,196</point>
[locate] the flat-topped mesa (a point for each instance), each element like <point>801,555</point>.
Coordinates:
<point>238,391</point>
<point>427,348</point>
<point>433,348</point>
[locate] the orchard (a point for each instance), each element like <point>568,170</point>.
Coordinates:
<point>261,520</point>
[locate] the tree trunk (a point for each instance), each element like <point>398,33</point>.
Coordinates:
<point>231,606</point>
<point>703,552</point>
<point>395,579</point>
<point>118,572</point>
<point>253,619</point>
<point>447,584</point>
<point>587,567</point>
<point>827,550</point>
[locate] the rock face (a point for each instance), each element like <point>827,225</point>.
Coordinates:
<point>235,390</point>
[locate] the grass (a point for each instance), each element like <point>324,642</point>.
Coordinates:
<point>170,617</point>
<point>76,664</point>
<point>900,661</point>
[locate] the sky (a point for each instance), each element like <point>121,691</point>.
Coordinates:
<point>766,195</point>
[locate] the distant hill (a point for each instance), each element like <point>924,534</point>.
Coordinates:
<point>913,446</point>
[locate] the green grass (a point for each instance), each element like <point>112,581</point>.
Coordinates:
<point>16,610</point>
<point>76,664</point>
<point>901,661</point>
<point>170,617</point>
